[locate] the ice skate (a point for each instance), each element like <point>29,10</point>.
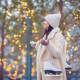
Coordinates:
<point>50,69</point>
<point>68,67</point>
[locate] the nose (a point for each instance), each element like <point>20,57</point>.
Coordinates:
<point>43,23</point>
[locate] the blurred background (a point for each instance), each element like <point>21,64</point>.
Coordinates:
<point>21,22</point>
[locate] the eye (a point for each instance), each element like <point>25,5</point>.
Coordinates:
<point>43,20</point>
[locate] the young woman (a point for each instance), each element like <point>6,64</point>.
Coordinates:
<point>51,51</point>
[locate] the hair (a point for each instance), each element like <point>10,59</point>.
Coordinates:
<point>47,31</point>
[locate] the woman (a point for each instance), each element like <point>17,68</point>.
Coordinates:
<point>51,51</point>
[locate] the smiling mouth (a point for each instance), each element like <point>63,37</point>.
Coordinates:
<point>44,25</point>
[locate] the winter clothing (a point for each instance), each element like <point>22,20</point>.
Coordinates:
<point>53,19</point>
<point>55,50</point>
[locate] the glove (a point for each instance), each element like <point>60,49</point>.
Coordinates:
<point>33,43</point>
<point>44,42</point>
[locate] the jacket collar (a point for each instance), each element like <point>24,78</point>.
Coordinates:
<point>51,35</point>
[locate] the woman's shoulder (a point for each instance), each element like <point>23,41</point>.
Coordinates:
<point>59,35</point>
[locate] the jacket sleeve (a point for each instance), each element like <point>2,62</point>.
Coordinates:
<point>56,48</point>
<point>36,47</point>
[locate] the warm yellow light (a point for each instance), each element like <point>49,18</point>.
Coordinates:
<point>17,41</point>
<point>33,71</point>
<point>67,38</point>
<point>12,6</point>
<point>15,9</point>
<point>9,28</point>
<point>35,28</point>
<point>13,40</point>
<point>75,17</point>
<point>15,35</point>
<point>71,56</point>
<point>65,7</point>
<point>15,62</point>
<point>26,4</point>
<point>23,70</point>
<point>67,51</point>
<point>72,11</point>
<point>14,74</point>
<point>7,36</point>
<point>15,71</point>
<point>32,31</point>
<point>13,66</point>
<point>69,29</point>
<point>31,53</point>
<point>19,35</point>
<point>19,45</point>
<point>64,23</point>
<point>36,37</point>
<point>26,46</point>
<point>24,28</point>
<point>12,49</point>
<point>72,47</point>
<point>60,31</point>
<point>77,22</point>
<point>76,48</point>
<point>69,72</point>
<point>65,42</point>
<point>46,14</point>
<point>34,23</point>
<point>38,40</point>
<point>17,19</point>
<point>29,17</point>
<point>19,57</point>
<point>24,23</point>
<point>24,66</point>
<point>23,51</point>
<point>68,34</point>
<point>0,63</point>
<point>69,45</point>
<point>8,68</point>
<point>23,31</point>
<point>32,11</point>
<point>59,12</point>
<point>28,11</point>
<point>35,31</point>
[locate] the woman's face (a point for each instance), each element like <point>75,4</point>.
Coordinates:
<point>45,24</point>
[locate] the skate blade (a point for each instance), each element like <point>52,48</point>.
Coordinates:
<point>68,68</point>
<point>53,75</point>
<point>54,72</point>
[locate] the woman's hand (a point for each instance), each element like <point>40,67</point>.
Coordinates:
<point>33,43</point>
<point>44,42</point>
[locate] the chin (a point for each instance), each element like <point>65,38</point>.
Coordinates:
<point>44,27</point>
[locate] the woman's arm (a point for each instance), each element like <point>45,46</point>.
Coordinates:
<point>37,44</point>
<point>56,48</point>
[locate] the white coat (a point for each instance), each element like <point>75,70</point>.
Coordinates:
<point>56,48</point>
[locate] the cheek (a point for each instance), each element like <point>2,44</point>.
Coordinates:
<point>47,25</point>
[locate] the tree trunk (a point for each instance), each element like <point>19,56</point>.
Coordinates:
<point>2,54</point>
<point>61,10</point>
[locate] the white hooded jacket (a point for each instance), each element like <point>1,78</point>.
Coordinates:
<point>56,48</point>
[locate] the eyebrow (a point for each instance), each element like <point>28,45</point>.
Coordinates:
<point>43,19</point>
